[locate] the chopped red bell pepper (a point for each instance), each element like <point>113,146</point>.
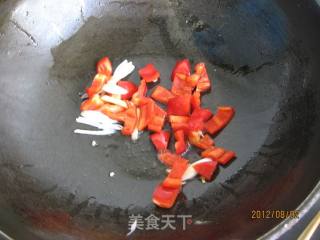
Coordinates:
<point>180,126</point>
<point>206,169</point>
<point>165,197</point>
<point>174,178</point>
<point>213,152</point>
<point>149,73</point>
<point>196,139</point>
<point>195,124</point>
<point>196,100</point>
<point>167,157</point>
<point>226,157</point>
<point>178,119</point>
<point>131,120</point>
<point>180,87</point>
<point>204,82</point>
<point>143,119</point>
<point>219,120</point>
<point>109,107</point>
<point>160,140</point>
<point>118,116</point>
<point>202,113</point>
<point>179,105</point>
<point>157,117</point>
<point>193,80</point>
<point>181,68</point>
<point>92,103</point>
<point>97,84</point>
<point>130,87</point>
<point>180,144</point>
<point>104,66</point>
<point>162,94</point>
<point>139,97</point>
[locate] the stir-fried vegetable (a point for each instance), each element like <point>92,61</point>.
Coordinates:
<point>114,104</point>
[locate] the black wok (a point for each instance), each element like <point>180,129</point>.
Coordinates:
<point>264,59</point>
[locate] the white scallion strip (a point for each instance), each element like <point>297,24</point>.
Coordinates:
<point>114,89</point>
<point>97,116</point>
<point>115,101</point>
<point>96,133</point>
<point>90,122</point>
<point>123,70</point>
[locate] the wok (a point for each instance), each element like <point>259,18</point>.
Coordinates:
<point>263,58</point>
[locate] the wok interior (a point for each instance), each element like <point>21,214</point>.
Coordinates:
<point>259,62</point>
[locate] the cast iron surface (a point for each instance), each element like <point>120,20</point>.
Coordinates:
<point>263,57</point>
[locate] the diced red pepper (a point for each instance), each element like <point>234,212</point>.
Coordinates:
<point>149,73</point>
<point>180,126</point>
<point>162,94</point>
<point>119,116</point>
<point>219,120</point>
<point>195,124</point>
<point>168,158</point>
<point>143,119</point>
<point>165,197</point>
<point>196,100</point>
<point>97,84</point>
<point>109,107</point>
<point>181,68</point>
<point>206,169</point>
<point>180,144</point>
<point>193,80</point>
<point>213,152</point>
<point>130,121</point>
<point>226,157</point>
<point>203,142</point>
<point>160,140</point>
<point>204,82</point>
<point>179,105</point>
<point>174,178</point>
<point>104,66</point>
<point>178,119</point>
<point>202,113</point>
<point>157,116</point>
<point>130,87</point>
<point>180,87</point>
<point>92,103</point>
<point>139,97</point>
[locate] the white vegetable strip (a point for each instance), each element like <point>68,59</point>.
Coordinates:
<point>135,135</point>
<point>90,122</point>
<point>123,70</point>
<point>96,133</point>
<point>114,89</point>
<point>97,116</point>
<point>113,100</point>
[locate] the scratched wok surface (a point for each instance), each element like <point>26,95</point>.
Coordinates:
<point>263,58</point>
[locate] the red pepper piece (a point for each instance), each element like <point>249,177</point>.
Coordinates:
<point>219,120</point>
<point>206,169</point>
<point>143,120</point>
<point>168,158</point>
<point>160,140</point>
<point>203,142</point>
<point>180,87</point>
<point>213,152</point>
<point>92,103</point>
<point>157,116</point>
<point>226,157</point>
<point>178,119</point>
<point>202,113</point>
<point>162,94</point>
<point>119,116</point>
<point>181,68</point>
<point>131,120</point>
<point>130,87</point>
<point>165,197</point>
<point>174,178</point>
<point>193,80</point>
<point>180,126</point>
<point>204,82</point>
<point>196,100</point>
<point>139,97</point>
<point>179,105</point>
<point>104,66</point>
<point>180,144</point>
<point>149,73</point>
<point>97,84</point>
<point>109,107</point>
<point>195,124</point>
